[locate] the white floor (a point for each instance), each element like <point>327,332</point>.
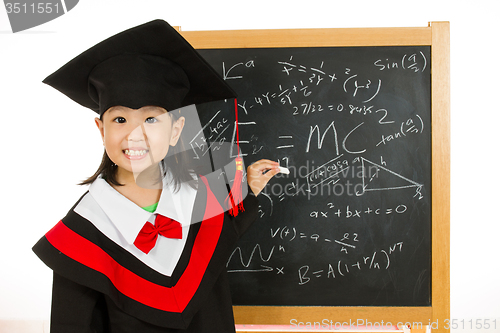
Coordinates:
<point>24,326</point>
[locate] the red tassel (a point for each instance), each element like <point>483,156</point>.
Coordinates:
<point>235,198</point>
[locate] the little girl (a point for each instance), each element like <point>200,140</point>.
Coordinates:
<point>144,250</point>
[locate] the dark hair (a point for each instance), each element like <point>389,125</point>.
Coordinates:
<point>177,162</point>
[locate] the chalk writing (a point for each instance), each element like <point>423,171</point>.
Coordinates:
<point>407,127</point>
<point>415,62</point>
<point>378,260</point>
<point>245,266</point>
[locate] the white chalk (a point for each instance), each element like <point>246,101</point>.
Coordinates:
<point>284,170</point>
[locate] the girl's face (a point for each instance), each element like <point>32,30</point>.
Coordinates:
<point>136,139</point>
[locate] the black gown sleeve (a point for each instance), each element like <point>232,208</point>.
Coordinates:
<point>245,218</point>
<point>76,308</point>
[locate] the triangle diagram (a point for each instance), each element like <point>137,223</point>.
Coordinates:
<point>379,178</point>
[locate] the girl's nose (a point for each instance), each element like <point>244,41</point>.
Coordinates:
<point>137,134</point>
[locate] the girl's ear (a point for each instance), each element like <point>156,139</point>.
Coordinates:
<point>100,126</point>
<point>177,127</point>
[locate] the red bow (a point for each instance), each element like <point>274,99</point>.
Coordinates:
<point>148,235</point>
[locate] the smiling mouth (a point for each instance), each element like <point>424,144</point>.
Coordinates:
<point>135,153</point>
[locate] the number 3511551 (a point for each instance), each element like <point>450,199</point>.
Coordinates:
<point>39,8</point>
<point>477,324</point>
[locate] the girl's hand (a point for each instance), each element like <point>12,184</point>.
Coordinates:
<point>259,173</point>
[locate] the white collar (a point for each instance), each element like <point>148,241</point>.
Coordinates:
<point>129,218</point>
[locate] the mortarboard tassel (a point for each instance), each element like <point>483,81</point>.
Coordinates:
<point>235,198</point>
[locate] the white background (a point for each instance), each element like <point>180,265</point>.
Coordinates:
<point>50,143</point>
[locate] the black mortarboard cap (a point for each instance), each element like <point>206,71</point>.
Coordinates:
<point>151,64</point>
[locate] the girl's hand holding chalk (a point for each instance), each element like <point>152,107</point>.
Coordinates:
<point>260,172</point>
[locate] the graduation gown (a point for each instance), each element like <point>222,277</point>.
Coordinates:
<point>101,287</point>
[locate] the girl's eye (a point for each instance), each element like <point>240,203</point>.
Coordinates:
<point>120,120</point>
<point>151,120</point>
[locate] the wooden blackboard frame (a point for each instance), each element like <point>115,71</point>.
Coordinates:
<point>436,35</point>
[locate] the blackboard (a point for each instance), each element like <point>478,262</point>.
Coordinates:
<point>351,224</point>
<point>436,195</point>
